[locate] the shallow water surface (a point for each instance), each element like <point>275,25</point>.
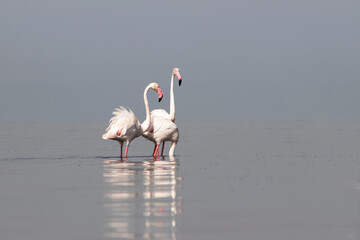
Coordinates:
<point>142,199</point>
<point>229,180</point>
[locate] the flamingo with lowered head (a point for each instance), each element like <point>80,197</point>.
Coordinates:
<point>124,126</point>
<point>164,122</point>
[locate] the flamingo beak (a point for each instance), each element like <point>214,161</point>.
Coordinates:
<point>178,77</point>
<point>160,93</point>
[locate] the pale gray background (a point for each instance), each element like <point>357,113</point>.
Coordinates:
<point>281,60</point>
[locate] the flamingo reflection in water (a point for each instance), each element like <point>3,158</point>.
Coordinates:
<point>142,199</point>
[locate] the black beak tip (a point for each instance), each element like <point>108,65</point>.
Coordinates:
<point>180,82</point>
<point>160,99</point>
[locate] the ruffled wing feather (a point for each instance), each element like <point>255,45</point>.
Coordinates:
<point>121,123</point>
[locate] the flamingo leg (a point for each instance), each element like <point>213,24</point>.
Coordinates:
<point>156,151</point>
<point>121,148</point>
<point>162,149</point>
<point>127,148</point>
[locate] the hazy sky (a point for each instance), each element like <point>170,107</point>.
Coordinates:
<point>280,60</point>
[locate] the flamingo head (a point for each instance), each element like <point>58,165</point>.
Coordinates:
<point>156,88</point>
<point>176,72</point>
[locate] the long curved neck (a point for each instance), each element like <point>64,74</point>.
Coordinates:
<point>172,99</point>
<point>146,124</point>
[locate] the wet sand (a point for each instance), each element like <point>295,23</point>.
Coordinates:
<point>229,180</point>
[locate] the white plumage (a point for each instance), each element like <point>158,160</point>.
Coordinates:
<point>160,113</point>
<point>161,130</point>
<point>123,126</point>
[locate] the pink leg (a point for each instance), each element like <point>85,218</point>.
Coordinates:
<point>127,148</point>
<point>156,151</point>
<point>162,149</point>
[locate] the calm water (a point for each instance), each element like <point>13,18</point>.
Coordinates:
<point>229,180</point>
